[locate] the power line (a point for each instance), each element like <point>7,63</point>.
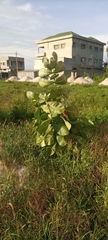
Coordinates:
<point>26,56</point>
<point>19,55</point>
<point>7,53</point>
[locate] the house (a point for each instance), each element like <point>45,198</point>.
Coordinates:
<point>10,66</point>
<point>80,54</point>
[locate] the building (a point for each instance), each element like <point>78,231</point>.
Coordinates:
<point>30,73</point>
<point>9,66</point>
<point>80,54</point>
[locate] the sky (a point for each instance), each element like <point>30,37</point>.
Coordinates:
<point>23,23</point>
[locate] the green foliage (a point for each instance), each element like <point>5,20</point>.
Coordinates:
<point>86,74</point>
<point>56,121</point>
<point>50,122</point>
<point>100,78</point>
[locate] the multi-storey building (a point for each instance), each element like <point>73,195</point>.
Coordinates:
<point>80,54</point>
<point>10,66</point>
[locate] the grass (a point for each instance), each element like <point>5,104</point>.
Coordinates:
<point>63,197</point>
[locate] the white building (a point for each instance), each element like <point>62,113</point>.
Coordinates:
<point>80,54</point>
<point>10,65</point>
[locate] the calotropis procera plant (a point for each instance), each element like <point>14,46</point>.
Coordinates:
<point>51,117</point>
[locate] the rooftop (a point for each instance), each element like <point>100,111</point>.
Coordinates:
<point>63,34</point>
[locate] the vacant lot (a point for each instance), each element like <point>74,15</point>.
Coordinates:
<point>63,197</point>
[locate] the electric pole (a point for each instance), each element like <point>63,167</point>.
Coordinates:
<point>16,65</point>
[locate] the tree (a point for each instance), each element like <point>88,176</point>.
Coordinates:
<point>57,122</point>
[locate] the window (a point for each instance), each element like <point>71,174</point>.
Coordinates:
<point>3,63</point>
<point>95,61</point>
<point>63,45</point>
<point>20,64</point>
<point>40,49</point>
<point>96,49</point>
<point>90,60</point>
<point>83,46</point>
<point>90,47</point>
<point>74,44</point>
<point>56,46</point>
<point>101,49</point>
<point>83,59</point>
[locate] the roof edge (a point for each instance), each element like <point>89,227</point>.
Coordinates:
<point>65,34</point>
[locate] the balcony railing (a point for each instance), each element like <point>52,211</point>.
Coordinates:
<point>40,54</point>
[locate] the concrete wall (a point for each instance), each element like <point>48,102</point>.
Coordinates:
<point>38,64</point>
<point>29,73</point>
<point>61,46</point>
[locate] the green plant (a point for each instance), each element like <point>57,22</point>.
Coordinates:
<point>50,117</point>
<point>66,195</point>
<point>55,119</point>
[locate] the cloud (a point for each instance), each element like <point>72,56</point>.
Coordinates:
<point>6,2</point>
<point>26,7</point>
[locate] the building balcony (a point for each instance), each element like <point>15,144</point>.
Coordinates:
<point>40,54</point>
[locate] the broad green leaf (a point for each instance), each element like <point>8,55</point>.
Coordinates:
<point>54,54</point>
<point>37,116</point>
<point>65,92</point>
<point>68,125</point>
<point>63,131</point>
<point>49,138</point>
<point>30,94</point>
<point>45,108</point>
<point>61,141</point>
<point>40,140</point>
<point>45,82</point>
<point>53,63</point>
<point>45,138</point>
<point>53,107</point>
<point>42,97</point>
<point>44,116</point>
<point>43,127</point>
<point>54,76</point>
<point>55,93</point>
<point>60,67</point>
<point>72,112</point>
<point>43,143</point>
<point>45,62</point>
<point>44,72</point>
<point>61,80</point>
<point>49,129</point>
<point>59,126</point>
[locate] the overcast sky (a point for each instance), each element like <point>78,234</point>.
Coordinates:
<point>23,22</point>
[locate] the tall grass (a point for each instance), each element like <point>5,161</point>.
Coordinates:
<point>63,197</point>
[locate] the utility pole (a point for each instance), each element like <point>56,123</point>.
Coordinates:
<point>16,65</point>
<point>107,54</point>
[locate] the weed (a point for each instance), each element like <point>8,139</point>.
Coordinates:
<point>64,197</point>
